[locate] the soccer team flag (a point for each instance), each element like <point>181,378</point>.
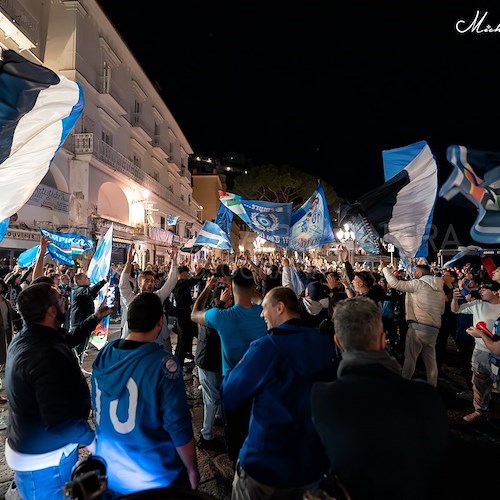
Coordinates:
<point>98,269</point>
<point>476,177</point>
<point>211,235</point>
<point>224,218</point>
<point>401,210</point>
<point>270,221</point>
<point>63,246</point>
<point>311,224</point>
<point>172,220</point>
<point>38,109</point>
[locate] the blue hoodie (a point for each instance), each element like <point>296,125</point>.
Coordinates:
<point>282,448</point>
<point>141,413</point>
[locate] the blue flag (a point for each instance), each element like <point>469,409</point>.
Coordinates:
<point>224,218</point>
<point>211,235</point>
<point>476,178</point>
<point>270,221</point>
<point>101,260</point>
<point>63,246</point>
<point>28,257</point>
<point>4,225</point>
<point>172,220</point>
<point>401,210</point>
<point>38,109</point>
<point>468,251</point>
<point>311,223</point>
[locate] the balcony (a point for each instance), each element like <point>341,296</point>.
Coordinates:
<point>158,143</point>
<point>15,18</point>
<point>108,98</point>
<point>140,128</point>
<point>186,173</point>
<point>88,144</point>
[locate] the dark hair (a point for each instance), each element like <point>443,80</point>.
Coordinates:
<point>243,278</point>
<point>146,273</point>
<point>34,301</point>
<point>183,269</point>
<point>144,312</point>
<point>366,278</point>
<point>285,295</point>
<point>316,291</point>
<point>424,268</point>
<point>223,271</point>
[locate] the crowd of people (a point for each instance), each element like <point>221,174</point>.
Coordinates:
<point>305,363</point>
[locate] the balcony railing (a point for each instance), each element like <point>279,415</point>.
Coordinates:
<point>137,121</point>
<point>27,24</point>
<point>88,144</point>
<point>186,173</point>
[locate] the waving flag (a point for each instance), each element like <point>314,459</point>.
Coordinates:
<point>38,109</point>
<point>476,177</point>
<point>190,247</point>
<point>224,218</point>
<point>63,246</point>
<point>270,221</point>
<point>311,223</point>
<point>400,211</point>
<point>28,257</point>
<point>172,220</point>
<point>468,251</point>
<point>211,235</point>
<point>98,269</point>
<point>4,225</point>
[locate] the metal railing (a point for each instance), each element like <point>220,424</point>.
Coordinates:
<point>28,25</point>
<point>88,144</point>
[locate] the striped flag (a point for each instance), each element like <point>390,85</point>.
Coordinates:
<point>400,211</point>
<point>38,109</point>
<point>98,269</point>
<point>63,246</point>
<point>211,235</point>
<point>224,218</point>
<point>476,177</point>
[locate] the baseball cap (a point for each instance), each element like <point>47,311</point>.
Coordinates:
<point>494,286</point>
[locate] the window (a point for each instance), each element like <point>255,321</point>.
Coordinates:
<point>137,107</point>
<point>136,161</point>
<point>107,138</point>
<point>156,176</point>
<point>163,222</point>
<point>157,129</point>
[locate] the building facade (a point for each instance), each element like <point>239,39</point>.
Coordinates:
<point>126,160</point>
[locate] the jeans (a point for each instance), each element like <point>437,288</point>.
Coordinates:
<point>210,384</point>
<point>419,341</point>
<point>46,483</point>
<point>481,381</point>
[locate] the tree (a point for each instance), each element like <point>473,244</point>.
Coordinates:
<point>283,184</point>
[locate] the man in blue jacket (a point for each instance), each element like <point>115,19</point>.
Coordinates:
<point>282,456</point>
<point>48,395</point>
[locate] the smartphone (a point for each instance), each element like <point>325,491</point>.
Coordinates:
<point>110,296</point>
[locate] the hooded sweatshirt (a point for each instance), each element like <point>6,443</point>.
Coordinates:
<point>425,298</point>
<point>141,414</point>
<point>282,448</point>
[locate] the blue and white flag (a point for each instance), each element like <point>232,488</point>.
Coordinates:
<point>401,210</point>
<point>28,257</point>
<point>63,246</point>
<point>469,251</point>
<point>211,235</point>
<point>270,221</point>
<point>172,220</point>
<point>311,223</point>
<point>4,225</point>
<point>297,283</point>
<point>224,218</point>
<point>476,178</point>
<point>38,109</point>
<point>101,260</point>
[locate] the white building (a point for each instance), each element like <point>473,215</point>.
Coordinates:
<point>126,159</point>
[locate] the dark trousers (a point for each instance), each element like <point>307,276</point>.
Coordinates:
<point>187,330</point>
<point>236,429</point>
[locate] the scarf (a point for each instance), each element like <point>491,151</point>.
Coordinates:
<point>361,358</point>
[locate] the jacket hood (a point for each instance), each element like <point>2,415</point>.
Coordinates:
<point>314,307</point>
<point>293,341</point>
<point>436,282</point>
<point>112,367</point>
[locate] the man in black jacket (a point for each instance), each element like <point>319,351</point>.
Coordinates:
<point>384,435</point>
<point>48,396</point>
<point>82,306</point>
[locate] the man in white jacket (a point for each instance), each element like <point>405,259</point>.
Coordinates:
<point>425,302</point>
<point>146,284</point>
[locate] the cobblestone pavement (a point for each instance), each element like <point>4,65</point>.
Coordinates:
<point>473,451</point>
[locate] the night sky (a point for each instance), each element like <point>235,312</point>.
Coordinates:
<point>321,86</point>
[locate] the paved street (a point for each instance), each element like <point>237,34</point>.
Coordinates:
<point>473,453</point>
